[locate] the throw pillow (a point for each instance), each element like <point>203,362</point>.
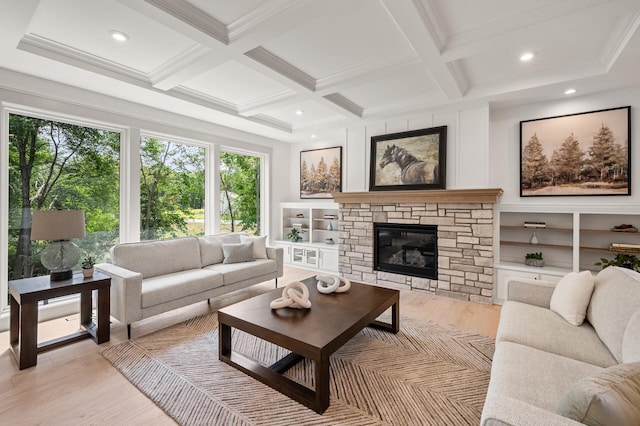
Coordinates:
<point>571,296</point>
<point>609,397</point>
<point>259,245</point>
<point>236,253</point>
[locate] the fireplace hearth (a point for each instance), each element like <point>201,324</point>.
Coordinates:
<point>406,249</point>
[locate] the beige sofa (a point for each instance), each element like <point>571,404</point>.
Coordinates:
<point>541,361</point>
<point>152,277</point>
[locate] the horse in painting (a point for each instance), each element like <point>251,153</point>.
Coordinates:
<point>413,171</point>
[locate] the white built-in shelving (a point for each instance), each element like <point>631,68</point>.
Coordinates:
<point>574,238</point>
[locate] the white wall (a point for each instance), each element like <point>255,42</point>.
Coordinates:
<point>467,148</point>
<point>504,154</point>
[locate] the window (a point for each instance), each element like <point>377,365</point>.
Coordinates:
<point>172,189</point>
<point>240,190</point>
<point>53,165</point>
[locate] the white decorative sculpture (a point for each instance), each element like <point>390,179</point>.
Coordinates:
<point>332,284</point>
<point>292,297</point>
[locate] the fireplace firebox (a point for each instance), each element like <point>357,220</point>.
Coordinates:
<point>406,249</point>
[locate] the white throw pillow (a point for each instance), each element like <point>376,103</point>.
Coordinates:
<point>259,245</point>
<point>571,296</point>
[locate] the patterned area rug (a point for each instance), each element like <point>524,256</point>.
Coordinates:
<point>426,374</point>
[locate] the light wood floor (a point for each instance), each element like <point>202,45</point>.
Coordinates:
<point>75,385</point>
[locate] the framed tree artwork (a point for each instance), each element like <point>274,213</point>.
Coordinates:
<point>409,160</point>
<point>577,154</point>
<point>320,172</point>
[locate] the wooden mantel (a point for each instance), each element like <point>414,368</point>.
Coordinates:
<point>462,196</point>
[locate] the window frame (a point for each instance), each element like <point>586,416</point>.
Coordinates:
<point>129,215</point>
<point>64,306</point>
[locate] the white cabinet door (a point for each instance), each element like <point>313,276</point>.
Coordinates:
<point>329,260</point>
<point>311,257</point>
<point>287,252</point>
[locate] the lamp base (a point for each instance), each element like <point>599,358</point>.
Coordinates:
<point>61,275</point>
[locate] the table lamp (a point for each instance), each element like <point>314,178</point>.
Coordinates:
<point>59,226</point>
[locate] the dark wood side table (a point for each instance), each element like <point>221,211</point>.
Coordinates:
<point>25,295</point>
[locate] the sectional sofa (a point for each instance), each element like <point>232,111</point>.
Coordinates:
<point>152,277</point>
<point>547,370</point>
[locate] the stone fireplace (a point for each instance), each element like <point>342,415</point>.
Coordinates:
<point>464,220</point>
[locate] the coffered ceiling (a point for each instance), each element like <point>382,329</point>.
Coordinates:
<point>252,64</point>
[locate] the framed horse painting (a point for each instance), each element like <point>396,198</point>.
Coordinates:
<point>409,160</point>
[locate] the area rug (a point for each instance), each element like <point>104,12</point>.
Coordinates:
<point>426,374</point>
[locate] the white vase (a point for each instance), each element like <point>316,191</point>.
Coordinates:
<point>534,238</point>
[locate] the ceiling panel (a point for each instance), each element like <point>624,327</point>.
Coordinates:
<point>314,113</point>
<point>235,83</point>
<point>227,11</point>
<point>579,50</point>
<point>459,16</point>
<point>361,34</point>
<point>85,24</point>
<point>413,85</point>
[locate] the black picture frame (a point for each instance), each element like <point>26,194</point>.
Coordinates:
<point>409,160</point>
<point>318,177</point>
<point>583,154</point>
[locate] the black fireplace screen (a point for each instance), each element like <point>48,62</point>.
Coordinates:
<point>406,249</point>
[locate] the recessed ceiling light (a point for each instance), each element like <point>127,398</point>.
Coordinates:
<point>570,91</point>
<point>527,56</point>
<point>299,112</point>
<point>118,36</point>
<point>313,136</point>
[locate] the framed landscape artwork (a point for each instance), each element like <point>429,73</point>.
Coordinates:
<point>577,154</point>
<point>409,160</point>
<point>320,172</point>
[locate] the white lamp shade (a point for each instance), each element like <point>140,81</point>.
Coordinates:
<point>56,225</point>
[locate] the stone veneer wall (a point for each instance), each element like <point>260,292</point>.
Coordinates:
<point>465,246</point>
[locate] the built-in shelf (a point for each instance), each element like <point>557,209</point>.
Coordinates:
<point>571,240</point>
<point>313,252</point>
<point>535,247</point>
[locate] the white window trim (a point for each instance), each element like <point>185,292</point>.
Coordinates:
<point>264,196</point>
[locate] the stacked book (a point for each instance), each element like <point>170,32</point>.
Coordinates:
<point>330,216</point>
<point>529,224</point>
<point>633,248</point>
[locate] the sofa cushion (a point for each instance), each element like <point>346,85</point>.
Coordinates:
<point>173,286</point>
<point>615,299</point>
<point>154,258</point>
<point>571,296</point>
<point>609,397</point>
<point>537,377</point>
<point>230,237</point>
<point>545,330</point>
<point>238,253</point>
<point>259,245</point>
<point>210,250</point>
<point>236,272</point>
<point>631,340</point>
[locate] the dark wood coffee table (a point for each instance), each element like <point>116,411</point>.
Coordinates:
<point>315,333</point>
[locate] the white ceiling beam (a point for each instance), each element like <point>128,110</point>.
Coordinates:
<point>619,39</point>
<point>410,20</point>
